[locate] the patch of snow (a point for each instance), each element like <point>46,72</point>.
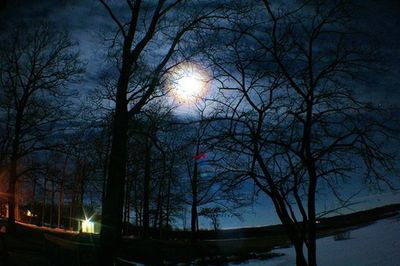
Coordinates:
<point>372,245</point>
<point>48,229</point>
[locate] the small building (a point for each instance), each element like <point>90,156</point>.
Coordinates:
<point>91,225</point>
<point>87,226</point>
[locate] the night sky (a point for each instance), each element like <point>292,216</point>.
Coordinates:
<point>88,23</point>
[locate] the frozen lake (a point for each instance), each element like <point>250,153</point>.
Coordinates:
<point>375,245</point>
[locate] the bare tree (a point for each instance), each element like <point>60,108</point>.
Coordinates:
<point>36,66</point>
<point>148,134</point>
<point>295,118</point>
<point>213,214</point>
<point>137,38</point>
<point>207,184</point>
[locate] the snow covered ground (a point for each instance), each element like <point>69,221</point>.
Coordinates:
<point>375,245</point>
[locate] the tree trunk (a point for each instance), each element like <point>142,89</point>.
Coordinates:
<point>44,201</point>
<point>158,220</point>
<point>300,259</point>
<point>13,174</point>
<point>312,230</point>
<point>60,203</point>
<point>52,203</point>
<point>194,215</point>
<point>105,168</point>
<point>135,202</point>
<point>312,186</point>
<point>71,212</point>
<point>111,229</point>
<point>126,208</point>
<point>128,217</point>
<point>146,189</point>
<point>61,193</point>
<point>17,199</point>
<point>167,207</point>
<point>11,195</point>
<point>33,200</point>
<point>82,193</point>
<point>293,231</point>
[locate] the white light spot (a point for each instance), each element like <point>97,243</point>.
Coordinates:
<point>188,82</point>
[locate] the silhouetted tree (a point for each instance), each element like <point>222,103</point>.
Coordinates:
<point>213,214</point>
<point>137,44</point>
<point>36,65</point>
<point>296,122</point>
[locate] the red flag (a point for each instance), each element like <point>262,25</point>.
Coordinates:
<point>199,156</point>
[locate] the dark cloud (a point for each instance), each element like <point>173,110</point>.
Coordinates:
<point>85,20</point>
<point>88,22</point>
<point>382,21</point>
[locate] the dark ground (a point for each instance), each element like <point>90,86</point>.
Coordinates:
<point>29,246</point>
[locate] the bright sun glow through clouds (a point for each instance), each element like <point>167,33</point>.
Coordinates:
<point>188,81</point>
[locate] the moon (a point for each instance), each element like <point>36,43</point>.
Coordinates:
<point>188,82</point>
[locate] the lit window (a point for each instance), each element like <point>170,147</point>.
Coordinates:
<point>87,227</point>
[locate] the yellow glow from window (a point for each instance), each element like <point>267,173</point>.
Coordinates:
<point>87,227</point>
